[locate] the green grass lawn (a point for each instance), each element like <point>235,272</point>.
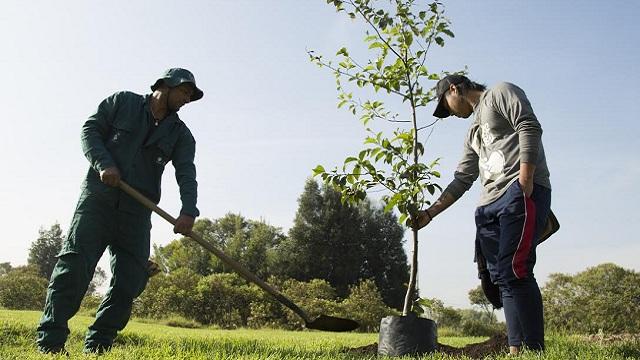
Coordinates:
<point>154,341</point>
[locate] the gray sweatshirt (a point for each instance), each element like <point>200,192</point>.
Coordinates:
<point>505,131</point>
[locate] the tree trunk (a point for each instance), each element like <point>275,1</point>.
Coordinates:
<point>411,290</point>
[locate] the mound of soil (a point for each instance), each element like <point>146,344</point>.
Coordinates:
<point>494,345</point>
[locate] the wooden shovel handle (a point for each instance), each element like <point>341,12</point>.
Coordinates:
<point>246,274</point>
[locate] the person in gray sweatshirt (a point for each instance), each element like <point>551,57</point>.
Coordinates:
<point>503,148</point>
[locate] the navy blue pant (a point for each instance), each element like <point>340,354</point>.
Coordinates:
<point>507,233</point>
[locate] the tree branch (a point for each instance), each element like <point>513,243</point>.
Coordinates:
<point>377,31</point>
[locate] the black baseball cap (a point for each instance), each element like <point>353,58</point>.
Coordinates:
<point>441,88</point>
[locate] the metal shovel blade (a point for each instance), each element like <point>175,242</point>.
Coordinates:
<point>332,323</point>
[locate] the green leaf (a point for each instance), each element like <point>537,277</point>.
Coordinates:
<point>408,39</point>
<point>370,140</point>
<point>389,206</point>
<point>318,170</point>
<point>403,218</point>
<point>439,41</point>
<point>343,51</point>
<point>379,63</point>
<point>376,44</point>
<point>350,159</point>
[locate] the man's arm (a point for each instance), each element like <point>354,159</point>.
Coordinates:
<point>93,136</point>
<point>183,157</point>
<point>466,173</point>
<point>513,105</point>
<point>444,201</point>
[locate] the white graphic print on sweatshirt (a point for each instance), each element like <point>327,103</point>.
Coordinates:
<point>493,164</point>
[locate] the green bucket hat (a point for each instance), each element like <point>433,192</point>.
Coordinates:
<point>176,76</point>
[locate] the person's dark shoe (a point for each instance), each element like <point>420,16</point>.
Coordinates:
<point>54,350</point>
<point>96,349</point>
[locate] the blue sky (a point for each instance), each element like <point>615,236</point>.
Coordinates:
<point>269,116</point>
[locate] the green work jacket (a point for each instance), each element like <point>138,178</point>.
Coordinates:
<point>122,133</point>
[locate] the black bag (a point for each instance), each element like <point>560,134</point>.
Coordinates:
<point>407,335</point>
<point>491,291</point>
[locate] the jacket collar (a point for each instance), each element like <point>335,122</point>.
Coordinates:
<point>165,125</point>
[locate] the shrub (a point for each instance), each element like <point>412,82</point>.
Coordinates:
<point>222,299</point>
<point>316,297</point>
<point>602,298</point>
<point>475,327</point>
<point>168,294</point>
<point>181,322</point>
<point>23,288</point>
<point>89,305</point>
<point>366,306</point>
<point>265,310</point>
<point>476,323</point>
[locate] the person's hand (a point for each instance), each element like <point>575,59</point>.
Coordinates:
<point>423,218</point>
<point>110,176</point>
<point>152,268</point>
<point>527,187</point>
<point>184,224</point>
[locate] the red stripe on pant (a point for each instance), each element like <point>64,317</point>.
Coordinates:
<point>519,262</point>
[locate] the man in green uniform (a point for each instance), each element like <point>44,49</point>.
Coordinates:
<point>130,137</point>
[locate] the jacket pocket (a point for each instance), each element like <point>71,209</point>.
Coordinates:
<point>120,133</point>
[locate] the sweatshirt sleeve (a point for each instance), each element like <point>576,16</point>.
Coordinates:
<point>183,157</point>
<point>512,103</point>
<point>467,171</point>
<point>95,132</point>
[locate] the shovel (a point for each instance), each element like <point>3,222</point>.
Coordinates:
<point>324,322</point>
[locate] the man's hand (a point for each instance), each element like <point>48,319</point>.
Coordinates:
<point>184,225</point>
<point>526,187</point>
<point>423,218</point>
<point>110,176</point>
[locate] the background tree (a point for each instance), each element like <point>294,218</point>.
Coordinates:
<point>344,244</point>
<point>43,256</point>
<point>99,277</point>
<point>43,251</point>
<point>385,257</point>
<point>401,37</point>
<point>325,241</point>
<point>477,298</point>
<point>601,298</point>
<point>5,267</point>
<point>250,242</point>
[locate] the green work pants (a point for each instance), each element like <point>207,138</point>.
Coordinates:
<point>97,225</point>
